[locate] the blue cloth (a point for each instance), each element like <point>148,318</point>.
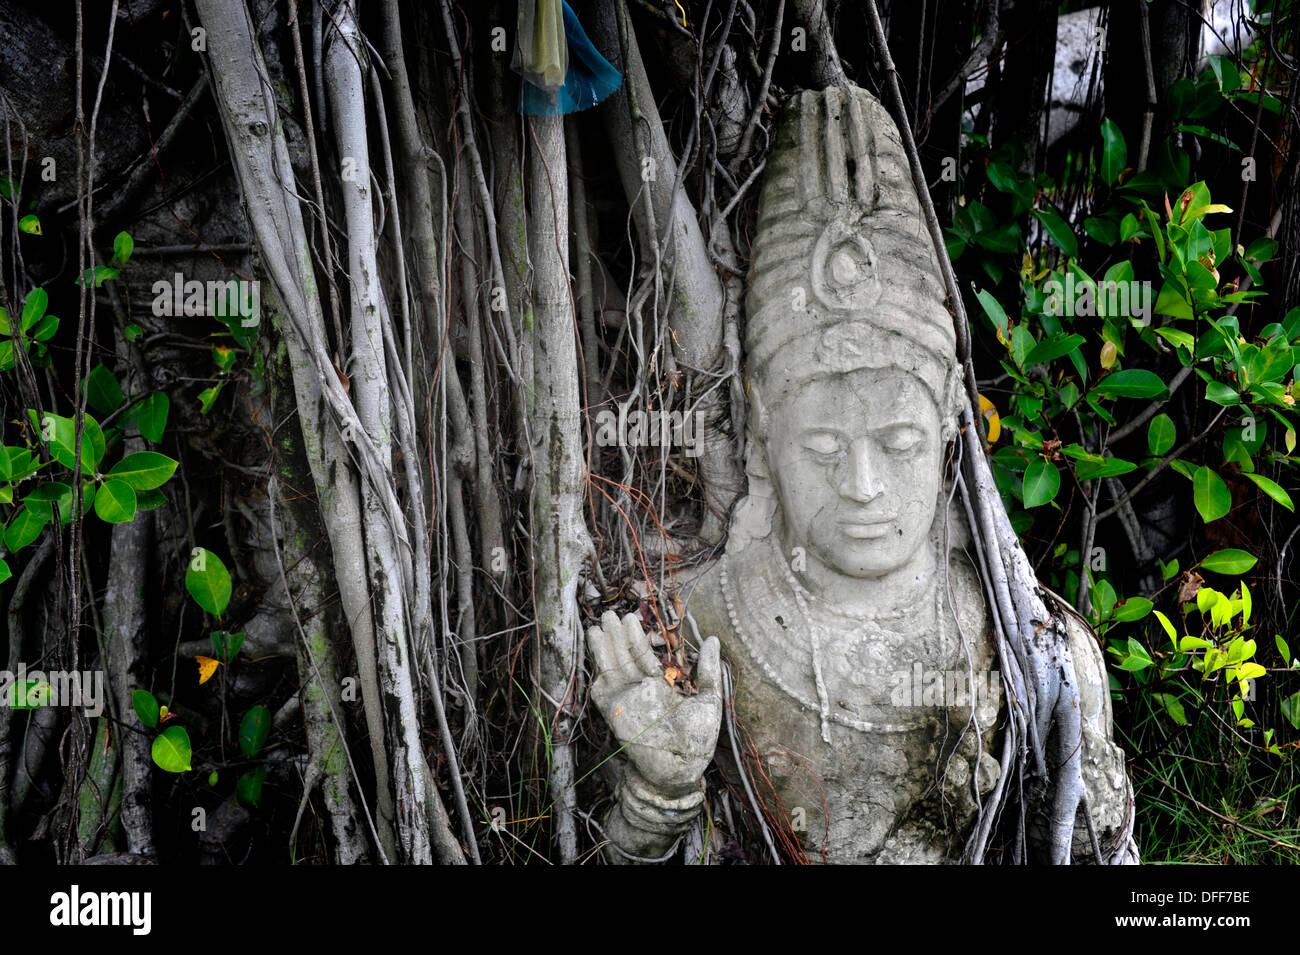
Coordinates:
<point>590,77</point>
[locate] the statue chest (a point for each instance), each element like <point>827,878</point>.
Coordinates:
<point>848,724</point>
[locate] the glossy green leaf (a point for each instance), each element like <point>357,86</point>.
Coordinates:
<point>146,707</point>
<point>103,391</point>
<point>254,730</point>
<point>1059,230</point>
<point>1272,489</point>
<point>1230,561</point>
<point>115,502</point>
<point>1161,435</point>
<point>1052,348</point>
<point>1042,481</point>
<point>249,788</point>
<point>24,528</point>
<point>1210,494</point>
<point>1132,383</point>
<point>144,470</point>
<point>123,246</point>
<point>1114,152</point>
<point>1134,608</point>
<point>172,750</point>
<point>151,415</point>
<point>208,582</point>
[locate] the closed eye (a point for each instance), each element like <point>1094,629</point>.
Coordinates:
<point>902,438</point>
<point>823,442</point>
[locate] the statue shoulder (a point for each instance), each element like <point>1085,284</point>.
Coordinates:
<point>703,599</point>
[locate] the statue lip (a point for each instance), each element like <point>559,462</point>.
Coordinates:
<point>866,529</point>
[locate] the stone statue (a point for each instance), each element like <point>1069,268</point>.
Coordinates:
<point>852,618</point>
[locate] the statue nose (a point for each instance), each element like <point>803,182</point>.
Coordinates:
<point>860,481</point>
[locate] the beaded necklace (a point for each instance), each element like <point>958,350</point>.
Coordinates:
<point>811,609</point>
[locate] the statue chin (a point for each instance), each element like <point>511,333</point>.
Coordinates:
<point>869,557</point>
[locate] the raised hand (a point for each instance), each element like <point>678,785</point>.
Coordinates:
<point>669,734</point>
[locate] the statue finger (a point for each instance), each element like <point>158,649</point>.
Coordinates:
<point>598,641</point>
<point>626,670</point>
<point>638,645</point>
<point>708,669</point>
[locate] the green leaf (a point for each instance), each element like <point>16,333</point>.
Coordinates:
<point>208,397</point>
<point>63,437</point>
<point>1291,709</point>
<point>1221,394</point>
<point>123,246</point>
<point>1052,348</point>
<point>99,275</point>
<point>151,415</point>
<point>45,329</point>
<point>225,645</point>
<point>1114,154</point>
<point>144,470</point>
<point>148,500</point>
<point>115,502</point>
<point>133,331</point>
<point>1096,466</point>
<point>5,572</point>
<point>1134,608</point>
<point>249,788</point>
<point>1173,707</point>
<point>1160,435</point>
<point>1229,561</point>
<point>993,309</point>
<point>34,307</point>
<point>146,707</point>
<point>1168,627</point>
<point>1283,649</point>
<point>24,528</point>
<point>1173,301</point>
<point>254,730</point>
<point>29,224</point>
<point>1272,489</point>
<point>172,751</point>
<point>208,582</point>
<point>1211,494</point>
<point>1137,659</point>
<point>102,390</point>
<point>1059,230</point>
<point>1042,481</point>
<point>1132,383</point>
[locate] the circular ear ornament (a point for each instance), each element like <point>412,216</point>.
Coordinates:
<point>845,276</point>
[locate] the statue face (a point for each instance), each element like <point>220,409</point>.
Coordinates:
<point>856,460</point>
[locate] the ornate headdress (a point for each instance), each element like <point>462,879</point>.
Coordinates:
<point>844,274</point>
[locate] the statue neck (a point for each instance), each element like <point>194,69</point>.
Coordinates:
<point>866,596</point>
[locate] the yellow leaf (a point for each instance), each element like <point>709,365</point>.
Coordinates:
<point>990,412</point>
<point>672,675</point>
<point>1290,440</point>
<point>207,667</point>
<point>1108,354</point>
